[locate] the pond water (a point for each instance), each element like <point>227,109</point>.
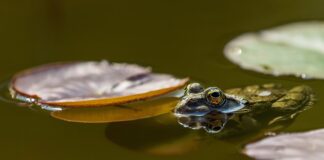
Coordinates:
<point>183,38</point>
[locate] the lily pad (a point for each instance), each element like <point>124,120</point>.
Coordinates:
<point>128,112</point>
<point>292,49</point>
<point>87,84</point>
<point>306,145</point>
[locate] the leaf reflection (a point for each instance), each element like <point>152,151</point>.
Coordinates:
<point>127,112</point>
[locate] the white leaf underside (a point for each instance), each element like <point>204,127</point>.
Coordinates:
<point>90,80</point>
<point>294,146</point>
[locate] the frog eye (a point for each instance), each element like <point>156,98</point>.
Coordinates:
<point>215,96</point>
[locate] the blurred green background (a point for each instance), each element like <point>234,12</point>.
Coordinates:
<point>184,38</point>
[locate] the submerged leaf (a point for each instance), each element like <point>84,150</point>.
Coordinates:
<point>84,84</point>
<point>128,112</point>
<point>293,49</point>
<point>297,146</point>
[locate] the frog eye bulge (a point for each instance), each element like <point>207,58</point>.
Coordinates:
<point>194,88</point>
<point>215,96</point>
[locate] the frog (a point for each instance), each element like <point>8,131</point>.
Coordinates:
<point>212,108</point>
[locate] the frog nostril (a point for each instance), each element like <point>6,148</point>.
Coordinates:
<point>217,128</point>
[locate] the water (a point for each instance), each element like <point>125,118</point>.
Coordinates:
<point>183,38</point>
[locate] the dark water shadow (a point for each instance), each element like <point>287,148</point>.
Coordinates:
<point>160,135</point>
<point>253,129</point>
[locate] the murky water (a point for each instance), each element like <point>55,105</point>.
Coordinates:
<point>184,38</point>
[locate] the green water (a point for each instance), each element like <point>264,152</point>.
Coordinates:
<point>184,38</point>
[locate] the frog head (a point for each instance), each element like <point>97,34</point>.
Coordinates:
<point>198,101</point>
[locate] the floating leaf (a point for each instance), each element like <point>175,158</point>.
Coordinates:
<point>293,49</point>
<point>128,112</point>
<point>307,145</point>
<point>85,84</point>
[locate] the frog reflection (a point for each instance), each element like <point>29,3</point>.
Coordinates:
<point>244,108</point>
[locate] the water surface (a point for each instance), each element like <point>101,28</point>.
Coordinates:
<point>184,38</point>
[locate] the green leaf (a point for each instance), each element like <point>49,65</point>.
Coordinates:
<point>292,49</point>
